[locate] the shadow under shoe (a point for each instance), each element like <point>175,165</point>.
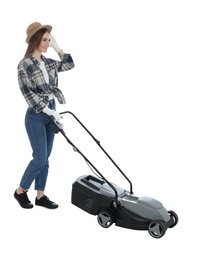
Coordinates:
<point>46,202</point>
<point>23,200</point>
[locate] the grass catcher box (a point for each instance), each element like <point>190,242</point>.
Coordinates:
<point>86,194</point>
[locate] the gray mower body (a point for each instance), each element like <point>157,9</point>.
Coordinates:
<point>96,197</point>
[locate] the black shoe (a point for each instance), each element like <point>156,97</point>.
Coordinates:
<point>23,200</point>
<point>46,202</point>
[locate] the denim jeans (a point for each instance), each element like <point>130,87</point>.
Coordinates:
<point>41,137</point>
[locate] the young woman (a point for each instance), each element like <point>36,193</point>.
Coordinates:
<point>38,82</point>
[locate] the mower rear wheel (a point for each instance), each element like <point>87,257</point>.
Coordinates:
<point>105,218</point>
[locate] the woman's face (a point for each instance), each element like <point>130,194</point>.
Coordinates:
<point>44,44</point>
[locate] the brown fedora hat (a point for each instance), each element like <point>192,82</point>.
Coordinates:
<point>34,27</point>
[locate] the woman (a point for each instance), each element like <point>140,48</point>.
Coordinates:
<point>38,82</point>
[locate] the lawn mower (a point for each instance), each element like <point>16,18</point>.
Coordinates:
<point>112,204</point>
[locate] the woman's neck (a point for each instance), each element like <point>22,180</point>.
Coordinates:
<point>37,55</point>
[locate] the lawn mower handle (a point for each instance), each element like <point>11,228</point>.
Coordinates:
<point>58,127</point>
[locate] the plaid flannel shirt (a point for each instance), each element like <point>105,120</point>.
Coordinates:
<point>33,85</point>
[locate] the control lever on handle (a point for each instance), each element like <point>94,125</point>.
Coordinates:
<point>57,126</point>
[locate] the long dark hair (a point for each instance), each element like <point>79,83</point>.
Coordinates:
<point>34,41</point>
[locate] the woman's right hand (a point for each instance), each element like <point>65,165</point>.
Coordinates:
<point>53,113</point>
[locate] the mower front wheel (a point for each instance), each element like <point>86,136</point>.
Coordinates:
<point>175,218</point>
<point>157,229</point>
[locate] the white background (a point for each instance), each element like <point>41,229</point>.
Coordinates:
<point>134,87</point>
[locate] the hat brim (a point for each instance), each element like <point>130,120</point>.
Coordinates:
<point>48,27</point>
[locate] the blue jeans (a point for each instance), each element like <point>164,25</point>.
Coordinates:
<point>41,137</point>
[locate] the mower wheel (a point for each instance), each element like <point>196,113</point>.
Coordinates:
<point>105,218</point>
<point>175,218</point>
<point>156,229</point>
